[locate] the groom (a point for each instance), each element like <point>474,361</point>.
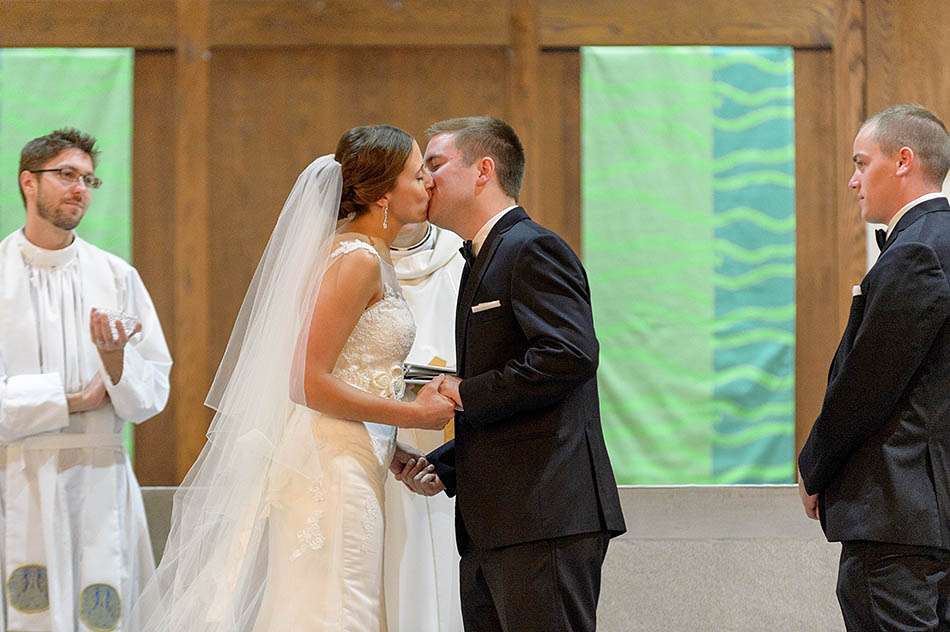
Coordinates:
<point>536,499</point>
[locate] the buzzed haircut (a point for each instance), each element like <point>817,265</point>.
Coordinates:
<point>479,136</point>
<point>914,126</point>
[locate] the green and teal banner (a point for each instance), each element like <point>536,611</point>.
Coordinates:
<point>42,89</point>
<point>688,231</point>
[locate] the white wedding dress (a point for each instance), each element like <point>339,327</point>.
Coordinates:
<point>325,521</point>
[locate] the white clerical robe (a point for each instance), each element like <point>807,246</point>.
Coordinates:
<point>422,592</point>
<point>73,535</point>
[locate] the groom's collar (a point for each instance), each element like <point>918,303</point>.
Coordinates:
<point>479,239</point>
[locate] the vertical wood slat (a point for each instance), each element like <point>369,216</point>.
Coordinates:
<point>850,80</point>
<point>816,256</point>
<point>523,97</point>
<point>882,18</point>
<point>191,218</point>
<point>560,144</point>
<point>153,194</point>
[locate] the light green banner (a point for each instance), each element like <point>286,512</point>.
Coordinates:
<point>42,89</point>
<point>688,233</point>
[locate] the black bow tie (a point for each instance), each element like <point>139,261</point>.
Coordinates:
<point>467,253</point>
<point>881,236</point>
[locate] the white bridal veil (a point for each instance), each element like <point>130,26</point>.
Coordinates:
<point>213,572</point>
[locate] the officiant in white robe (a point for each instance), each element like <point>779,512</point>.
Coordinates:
<point>422,590</point>
<point>73,534</point>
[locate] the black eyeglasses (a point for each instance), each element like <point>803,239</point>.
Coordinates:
<point>70,176</point>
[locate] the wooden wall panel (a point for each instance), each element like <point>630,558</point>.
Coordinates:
<point>850,80</point>
<point>191,252</point>
<point>274,100</point>
<point>816,258</point>
<point>273,111</point>
<point>559,142</point>
<point>901,68</point>
<point>142,24</point>
<point>153,201</point>
<point>799,23</point>
<point>523,91</point>
<point>359,23</point>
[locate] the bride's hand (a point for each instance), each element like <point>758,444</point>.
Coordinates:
<point>433,410</point>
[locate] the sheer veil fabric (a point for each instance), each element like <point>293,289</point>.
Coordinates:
<point>214,569</point>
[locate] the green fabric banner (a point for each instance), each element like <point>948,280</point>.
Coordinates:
<point>688,231</point>
<point>42,89</point>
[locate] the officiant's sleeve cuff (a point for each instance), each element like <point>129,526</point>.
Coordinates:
<point>31,404</point>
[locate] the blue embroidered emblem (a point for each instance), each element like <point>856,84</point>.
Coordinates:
<point>100,607</point>
<point>27,589</point>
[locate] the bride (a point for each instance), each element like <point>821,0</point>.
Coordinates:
<point>279,524</point>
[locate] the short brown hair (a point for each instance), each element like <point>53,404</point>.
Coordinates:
<point>477,136</point>
<point>914,126</point>
<point>372,157</point>
<point>42,149</point>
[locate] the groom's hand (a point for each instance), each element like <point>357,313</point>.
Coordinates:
<point>424,480</point>
<point>450,388</point>
<point>404,460</point>
<point>418,475</point>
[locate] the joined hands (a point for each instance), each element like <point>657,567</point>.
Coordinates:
<point>416,473</point>
<point>438,400</point>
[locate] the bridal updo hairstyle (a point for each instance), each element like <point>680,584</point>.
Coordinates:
<point>372,157</point>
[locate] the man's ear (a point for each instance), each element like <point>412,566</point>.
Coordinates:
<point>486,170</point>
<point>27,183</point>
<point>905,160</point>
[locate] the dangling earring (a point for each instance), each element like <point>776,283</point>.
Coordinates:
<point>385,217</point>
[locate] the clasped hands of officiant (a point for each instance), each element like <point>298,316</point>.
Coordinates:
<point>409,465</point>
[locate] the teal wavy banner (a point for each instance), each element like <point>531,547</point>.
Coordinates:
<point>688,231</point>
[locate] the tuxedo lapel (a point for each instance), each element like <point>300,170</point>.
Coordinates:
<point>911,216</point>
<point>472,278</point>
<point>460,319</point>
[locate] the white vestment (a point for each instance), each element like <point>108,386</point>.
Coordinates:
<point>73,534</point>
<point>422,592</point>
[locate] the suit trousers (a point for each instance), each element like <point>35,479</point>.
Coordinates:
<point>543,586</point>
<point>894,587</point>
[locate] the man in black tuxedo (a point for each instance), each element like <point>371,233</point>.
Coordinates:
<point>536,499</point>
<point>876,467</point>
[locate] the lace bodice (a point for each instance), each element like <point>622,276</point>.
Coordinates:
<point>372,357</point>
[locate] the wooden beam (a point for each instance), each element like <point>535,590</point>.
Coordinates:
<point>850,80</point>
<point>191,217</point>
<point>816,250</point>
<point>523,97</point>
<point>798,23</point>
<point>142,24</point>
<point>358,23</point>
<point>560,144</point>
<point>153,195</point>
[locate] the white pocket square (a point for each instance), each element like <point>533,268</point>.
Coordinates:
<point>855,290</point>
<point>481,307</point>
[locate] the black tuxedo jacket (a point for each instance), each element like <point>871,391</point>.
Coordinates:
<point>879,452</point>
<point>528,461</point>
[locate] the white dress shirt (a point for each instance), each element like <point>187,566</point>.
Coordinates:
<point>923,198</point>
<point>482,233</point>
